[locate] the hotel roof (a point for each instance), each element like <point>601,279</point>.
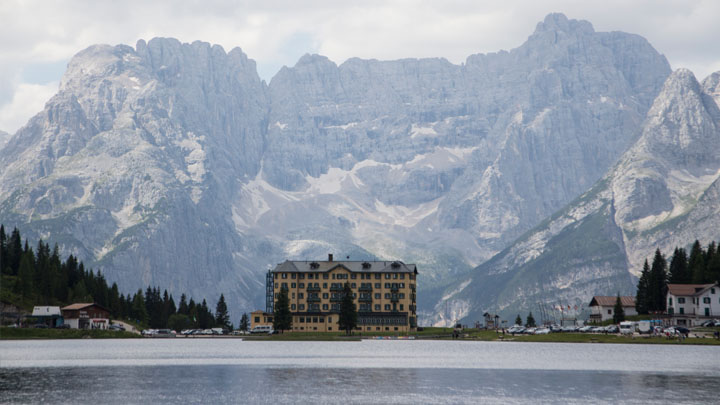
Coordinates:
<point>310,266</point>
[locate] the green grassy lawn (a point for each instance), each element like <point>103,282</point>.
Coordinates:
<point>32,333</point>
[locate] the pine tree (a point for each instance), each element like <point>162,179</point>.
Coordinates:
<point>679,273</point>
<point>4,268</point>
<point>642,303</point>
<point>658,283</point>
<point>15,251</point>
<point>518,320</point>
<point>183,306</point>
<point>713,268</point>
<point>244,323</point>
<point>282,318</point>
<point>618,311</point>
<point>222,318</point>
<point>348,311</point>
<point>530,322</point>
<point>139,310</point>
<point>26,276</point>
<point>696,263</point>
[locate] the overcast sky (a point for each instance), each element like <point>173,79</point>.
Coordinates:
<point>38,38</point>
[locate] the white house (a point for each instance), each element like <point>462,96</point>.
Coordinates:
<point>50,316</point>
<point>691,304</point>
<point>602,308</point>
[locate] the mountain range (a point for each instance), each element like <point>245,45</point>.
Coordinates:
<point>549,170</point>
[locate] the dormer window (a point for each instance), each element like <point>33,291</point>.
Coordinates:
<point>367,265</point>
<point>314,265</point>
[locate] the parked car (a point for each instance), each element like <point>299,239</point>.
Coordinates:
<point>627,327</point>
<point>612,329</point>
<point>116,327</point>
<point>683,330</point>
<point>542,331</point>
<point>585,329</point>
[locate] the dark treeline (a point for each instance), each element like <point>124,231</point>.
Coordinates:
<point>39,277</point>
<point>702,266</point>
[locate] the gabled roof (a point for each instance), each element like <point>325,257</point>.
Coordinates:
<point>688,290</point>
<point>46,311</point>
<point>606,301</point>
<point>78,306</point>
<point>310,266</point>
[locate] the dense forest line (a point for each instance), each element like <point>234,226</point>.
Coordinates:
<point>702,266</point>
<point>40,277</point>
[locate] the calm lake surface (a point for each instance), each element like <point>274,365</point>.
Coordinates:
<point>388,372</point>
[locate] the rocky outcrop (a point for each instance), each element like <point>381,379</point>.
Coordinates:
<point>662,193</point>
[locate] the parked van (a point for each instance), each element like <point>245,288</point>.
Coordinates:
<point>262,329</point>
<point>644,327</point>
<point>627,327</point>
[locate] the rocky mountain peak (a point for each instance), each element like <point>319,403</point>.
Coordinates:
<point>558,22</point>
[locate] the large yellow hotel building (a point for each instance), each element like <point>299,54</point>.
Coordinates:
<point>384,292</point>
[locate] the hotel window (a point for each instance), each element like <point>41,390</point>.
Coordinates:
<point>402,276</point>
<point>402,296</point>
<point>681,300</point>
<point>401,307</point>
<point>387,276</point>
<point>301,276</point>
<point>293,295</point>
<point>325,295</point>
<point>257,319</point>
<point>292,306</point>
<point>387,307</point>
<point>377,307</point>
<point>310,276</point>
<point>301,285</point>
<point>353,285</point>
<point>293,276</point>
<point>706,300</point>
<point>387,285</point>
<point>301,307</point>
<point>395,276</point>
<point>326,276</point>
<point>670,301</point>
<point>353,276</point>
<point>378,285</point>
<point>292,285</point>
<point>301,295</point>
<point>378,276</point>
<point>377,296</point>
<point>325,307</point>
<point>284,286</point>
<point>682,310</point>
<point>284,275</point>
<point>712,291</point>
<point>387,296</point>
<point>302,319</point>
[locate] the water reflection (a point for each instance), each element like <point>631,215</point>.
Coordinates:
<point>232,384</point>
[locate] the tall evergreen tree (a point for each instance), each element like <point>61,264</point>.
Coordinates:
<point>642,298</point>
<point>618,311</point>
<point>282,318</point>
<point>244,322</point>
<point>139,310</point>
<point>348,312</point>
<point>713,268</point>
<point>679,273</point>
<point>222,318</point>
<point>4,268</point>
<point>518,320</point>
<point>26,276</point>
<point>15,251</point>
<point>530,322</point>
<point>658,283</point>
<point>696,263</point>
<point>183,306</point>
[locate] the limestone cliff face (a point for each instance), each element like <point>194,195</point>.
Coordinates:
<point>174,164</point>
<point>662,193</point>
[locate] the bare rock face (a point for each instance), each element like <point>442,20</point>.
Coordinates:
<point>662,193</point>
<point>173,164</point>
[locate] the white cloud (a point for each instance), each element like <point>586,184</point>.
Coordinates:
<point>276,33</point>
<point>28,99</point>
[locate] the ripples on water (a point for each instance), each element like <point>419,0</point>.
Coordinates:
<point>231,371</point>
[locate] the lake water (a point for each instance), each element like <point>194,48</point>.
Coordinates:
<point>388,372</point>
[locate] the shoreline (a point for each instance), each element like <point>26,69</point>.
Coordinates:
<point>439,334</point>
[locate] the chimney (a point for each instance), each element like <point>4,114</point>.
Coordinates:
<point>329,257</point>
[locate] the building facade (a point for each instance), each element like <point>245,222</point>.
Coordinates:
<point>602,308</point>
<point>384,293</point>
<point>86,316</point>
<point>50,316</point>
<point>691,304</point>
